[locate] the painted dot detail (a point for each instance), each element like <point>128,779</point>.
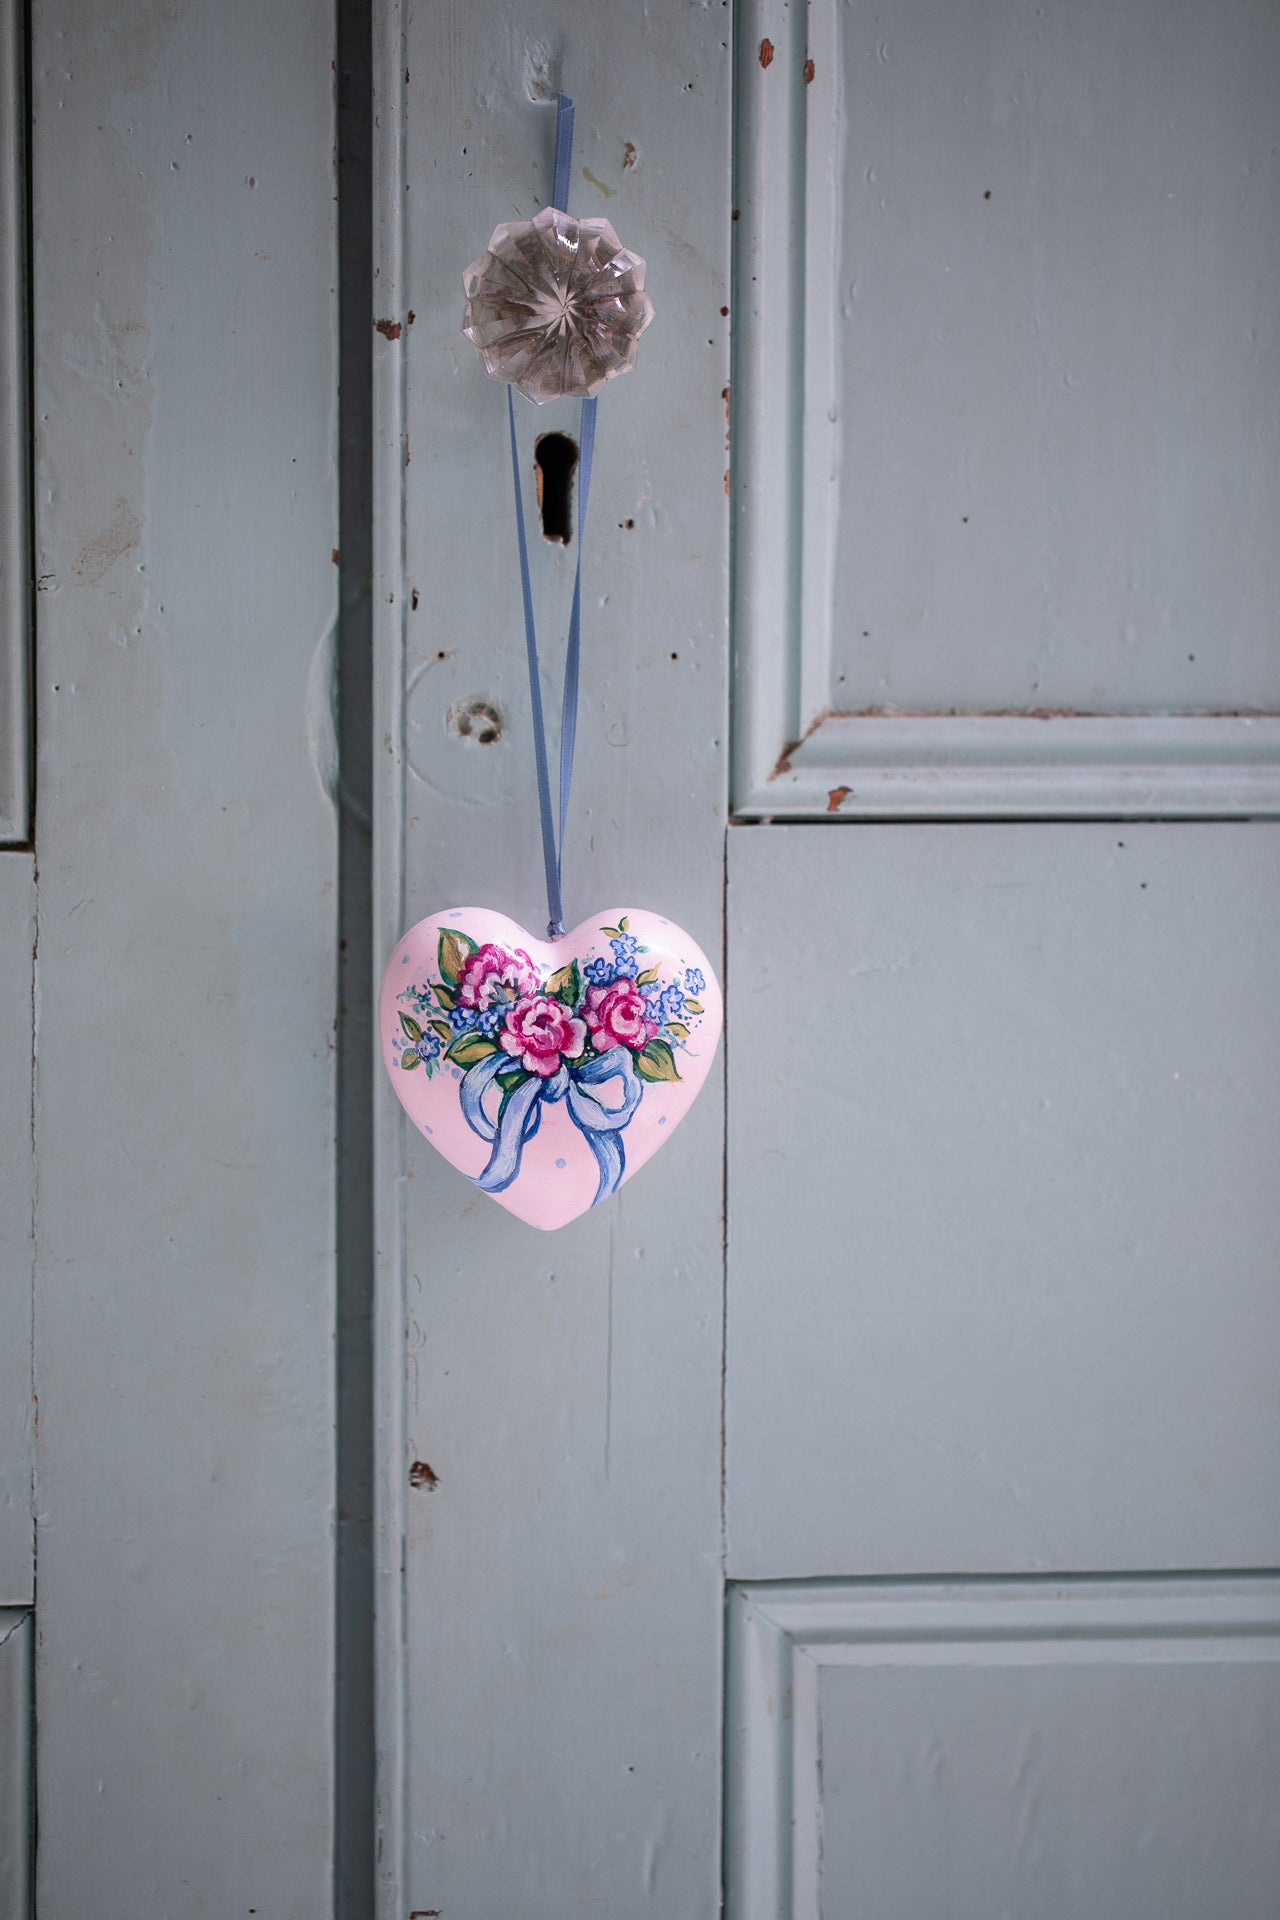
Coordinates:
<point>426,1128</point>
<point>560,1163</point>
<point>662,1120</point>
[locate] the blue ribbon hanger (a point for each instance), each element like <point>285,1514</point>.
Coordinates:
<point>553,846</point>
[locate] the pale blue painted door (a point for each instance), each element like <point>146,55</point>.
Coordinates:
<point>183,883</point>
<point>950,1384</point>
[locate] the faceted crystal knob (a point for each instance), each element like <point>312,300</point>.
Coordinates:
<point>556,305</point>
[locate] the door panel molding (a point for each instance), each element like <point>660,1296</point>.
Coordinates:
<point>1017,766</point>
<point>797,752</point>
<point>786,1638</point>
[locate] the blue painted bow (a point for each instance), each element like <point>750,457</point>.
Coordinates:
<point>519,1113</point>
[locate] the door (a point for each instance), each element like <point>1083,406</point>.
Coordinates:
<point>877,1517</point>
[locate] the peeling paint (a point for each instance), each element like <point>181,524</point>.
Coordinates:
<point>99,555</point>
<point>389,329</point>
<point>765,55</point>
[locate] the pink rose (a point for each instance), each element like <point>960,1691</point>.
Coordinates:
<point>618,1017</point>
<point>494,973</point>
<point>538,1031</point>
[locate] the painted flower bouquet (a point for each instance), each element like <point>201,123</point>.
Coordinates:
<point>593,1034</point>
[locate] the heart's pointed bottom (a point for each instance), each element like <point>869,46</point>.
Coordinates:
<point>548,1071</point>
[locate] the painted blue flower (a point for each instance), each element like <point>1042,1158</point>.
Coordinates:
<point>429,1045</point>
<point>695,981</point>
<point>599,973</point>
<point>461,1020</point>
<point>491,1019</point>
<point>670,1004</point>
<point>624,953</point>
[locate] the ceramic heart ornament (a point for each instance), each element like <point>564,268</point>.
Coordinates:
<point>548,1071</point>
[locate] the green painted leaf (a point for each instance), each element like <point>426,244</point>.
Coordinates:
<point>446,996</point>
<point>623,924</point>
<point>509,1083</point>
<point>613,932</point>
<point>566,984</point>
<point>647,978</point>
<point>694,1006</point>
<point>678,1028</point>
<point>452,953</point>
<point>470,1047</point>
<point>657,1062</point>
<point>441,1029</point>
<point>410,1026</point>
<point>410,1059</point>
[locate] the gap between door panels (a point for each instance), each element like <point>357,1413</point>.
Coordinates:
<point>354,1781</point>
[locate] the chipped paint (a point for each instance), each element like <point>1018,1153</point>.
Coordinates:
<point>98,555</point>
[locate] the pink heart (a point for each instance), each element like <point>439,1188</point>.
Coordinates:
<point>548,1071</point>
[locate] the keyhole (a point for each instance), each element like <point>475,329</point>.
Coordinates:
<point>555,456</point>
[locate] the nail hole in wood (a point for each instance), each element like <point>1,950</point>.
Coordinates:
<point>555,457</point>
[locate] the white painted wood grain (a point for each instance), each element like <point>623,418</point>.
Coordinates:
<point>185,404</point>
<point>1003,1215</point>
<point>17,1247</point>
<point>555,1675</point>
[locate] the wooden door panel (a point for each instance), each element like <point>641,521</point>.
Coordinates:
<point>185,380</point>
<point>551,1602</point>
<point>1003,1221</point>
<point>17,942</point>
<point>1054,255</point>
<point>953,1751</point>
<point>1003,434</point>
<point>17,1813</point>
